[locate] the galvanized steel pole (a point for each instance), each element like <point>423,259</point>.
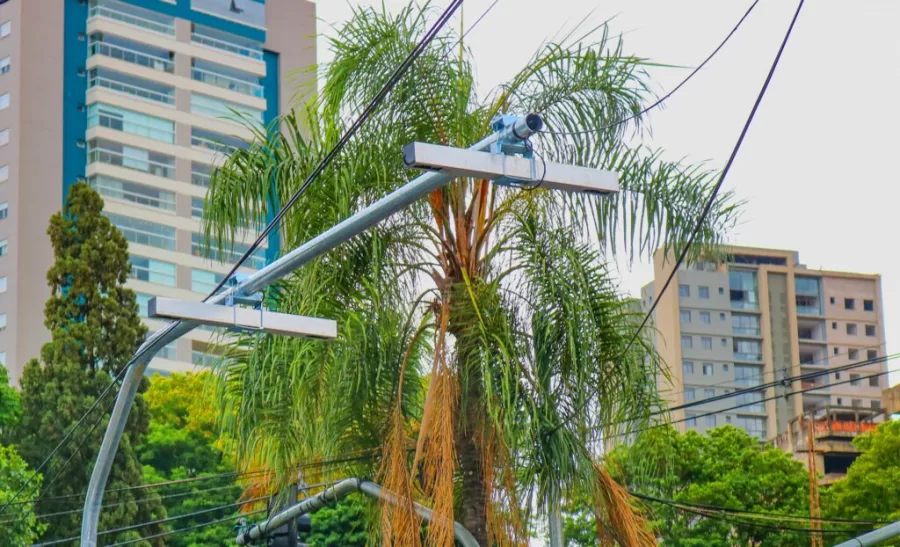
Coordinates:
<point>874,537</point>
<point>523,128</point>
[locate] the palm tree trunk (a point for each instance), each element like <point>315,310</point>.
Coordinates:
<point>474,501</point>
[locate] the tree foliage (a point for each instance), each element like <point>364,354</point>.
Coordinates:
<point>871,489</point>
<point>343,524</point>
<point>10,406</point>
<point>18,523</point>
<point>183,442</point>
<point>499,295</point>
<point>726,467</point>
<point>95,329</point>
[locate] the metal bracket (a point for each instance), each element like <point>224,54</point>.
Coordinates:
<point>511,145</point>
<point>237,299</point>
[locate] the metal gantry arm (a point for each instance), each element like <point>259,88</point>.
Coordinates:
<point>335,493</point>
<point>416,189</point>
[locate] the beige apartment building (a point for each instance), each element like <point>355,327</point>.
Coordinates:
<point>761,316</point>
<point>136,97</point>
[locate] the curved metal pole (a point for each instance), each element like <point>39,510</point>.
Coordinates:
<point>416,189</point>
<point>339,491</point>
<point>874,537</point>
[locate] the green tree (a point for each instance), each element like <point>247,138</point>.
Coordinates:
<point>343,524</point>
<point>95,330</point>
<point>727,468</point>
<point>501,294</point>
<point>10,406</point>
<point>18,523</point>
<point>183,442</point>
<point>871,489</point>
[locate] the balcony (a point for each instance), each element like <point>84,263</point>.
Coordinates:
<point>133,193</point>
<point>813,356</point>
<point>230,44</point>
<point>811,330</point>
<point>216,143</point>
<point>126,121</point>
<point>744,305</point>
<point>200,174</point>
<point>160,165</point>
<point>227,82</point>
<point>134,54</point>
<point>132,86</point>
<point>746,331</point>
<point>132,15</point>
<point>749,357</point>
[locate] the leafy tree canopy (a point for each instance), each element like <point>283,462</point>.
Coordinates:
<point>18,524</point>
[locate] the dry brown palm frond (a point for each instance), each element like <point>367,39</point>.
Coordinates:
<point>506,527</point>
<point>437,443</point>
<point>618,521</point>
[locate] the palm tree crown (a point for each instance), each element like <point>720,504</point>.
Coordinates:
<point>482,341</point>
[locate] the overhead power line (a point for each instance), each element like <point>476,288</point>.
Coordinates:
<point>189,528</point>
<point>674,90</point>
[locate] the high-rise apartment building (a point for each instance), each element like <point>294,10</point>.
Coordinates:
<point>138,98</point>
<point>762,316</point>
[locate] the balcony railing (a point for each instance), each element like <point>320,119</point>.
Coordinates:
<point>132,19</point>
<point>741,356</point>
<point>132,127</point>
<point>243,51</point>
<point>809,310</point>
<point>132,90</point>
<point>200,179</point>
<point>132,56</point>
<point>164,200</point>
<point>102,155</point>
<point>744,305</point>
<point>212,145</point>
<point>227,82</point>
<point>746,331</point>
<point>204,359</point>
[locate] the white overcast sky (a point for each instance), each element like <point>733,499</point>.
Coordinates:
<point>817,168</point>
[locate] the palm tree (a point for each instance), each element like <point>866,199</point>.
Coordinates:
<point>483,345</point>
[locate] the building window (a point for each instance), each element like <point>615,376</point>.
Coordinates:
<point>690,420</point>
<point>197,209</point>
<point>854,379</point>
<point>684,291</point>
<point>4,101</point>
<point>133,192</point>
<point>849,304</point>
<point>711,421</point>
<point>724,342</point>
<point>4,247</point>
<point>144,232</point>
<point>4,137</point>
<point>751,402</point>
<point>689,394</point>
<point>872,354</point>
<point>169,351</point>
<point>853,354</point>
<point>4,210</point>
<point>836,350</point>
<point>747,376</point>
<point>725,368</point>
<point>135,123</point>
<point>834,325</point>
<point>152,271</point>
<point>874,381</point>
<point>856,403</point>
<point>851,329</point>
<point>709,392</point>
<point>4,65</point>
<point>4,173</point>
<point>687,368</point>
<point>232,254</point>
<point>685,316</point>
<point>706,342</point>
<point>870,330</point>
<point>868,305</point>
<point>742,285</point>
<point>205,282</point>
<point>840,401</point>
<point>142,301</point>
<point>721,316</point>
<point>217,108</point>
<point>837,375</point>
<point>687,342</point>
<point>2,321</point>
<point>5,29</point>
<point>753,426</point>
<point>728,419</point>
<point>3,358</point>
<point>3,284</point>
<point>721,291</point>
<point>705,318</point>
<point>708,369</point>
<point>876,405</point>
<point>831,300</point>
<point>703,292</point>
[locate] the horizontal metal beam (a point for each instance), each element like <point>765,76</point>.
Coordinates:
<point>245,318</point>
<point>459,162</point>
<point>874,537</point>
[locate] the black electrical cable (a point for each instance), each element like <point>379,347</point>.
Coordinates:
<point>674,90</point>
<point>759,513</point>
<point>188,528</point>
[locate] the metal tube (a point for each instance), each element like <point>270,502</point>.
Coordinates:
<point>339,491</point>
<point>874,537</point>
<point>523,128</point>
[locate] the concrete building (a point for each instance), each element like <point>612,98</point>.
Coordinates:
<point>130,96</point>
<point>760,316</point>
